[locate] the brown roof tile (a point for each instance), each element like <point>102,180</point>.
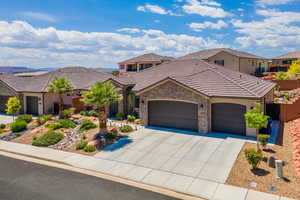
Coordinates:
<point>150,57</point>
<point>292,55</point>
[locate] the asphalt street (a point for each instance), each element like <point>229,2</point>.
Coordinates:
<point>21,180</point>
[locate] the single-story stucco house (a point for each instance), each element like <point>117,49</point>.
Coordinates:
<point>32,91</point>
<point>199,96</point>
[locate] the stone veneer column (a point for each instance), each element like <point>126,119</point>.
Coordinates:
<point>203,117</point>
<point>143,111</point>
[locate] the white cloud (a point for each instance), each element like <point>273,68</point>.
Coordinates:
<point>264,3</point>
<point>23,44</point>
<point>200,26</point>
<point>39,16</point>
<point>277,29</point>
<point>156,9</point>
<point>205,8</point>
<point>240,9</point>
<point>129,30</point>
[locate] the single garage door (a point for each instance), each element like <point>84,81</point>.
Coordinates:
<point>3,101</point>
<point>173,114</point>
<point>228,118</point>
<point>32,105</point>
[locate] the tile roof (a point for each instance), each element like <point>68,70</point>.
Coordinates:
<point>207,53</point>
<point>292,55</point>
<point>80,77</point>
<point>209,79</point>
<point>150,57</point>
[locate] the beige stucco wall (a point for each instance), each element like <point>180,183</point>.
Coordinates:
<point>170,91</point>
<point>230,61</point>
<point>249,66</point>
<point>50,99</point>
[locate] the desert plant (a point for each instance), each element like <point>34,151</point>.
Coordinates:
<point>26,118</point>
<point>34,137</point>
<point>119,116</point>
<point>54,126</point>
<point>2,126</point>
<point>130,118</point>
<point>49,138</point>
<point>43,119</point>
<point>126,129</point>
<point>67,113</point>
<point>263,139</point>
<point>13,106</point>
<point>93,113</point>
<point>282,76</point>
<point>81,144</point>
<point>87,125</point>
<point>60,86</point>
<point>255,118</point>
<point>101,95</point>
<point>66,123</point>
<point>253,157</point>
<point>17,134</point>
<point>294,68</point>
<point>1,130</point>
<point>18,126</point>
<point>83,113</point>
<point>89,148</point>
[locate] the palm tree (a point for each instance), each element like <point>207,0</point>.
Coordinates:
<point>101,95</point>
<point>61,86</point>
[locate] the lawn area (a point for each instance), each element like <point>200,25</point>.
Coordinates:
<point>241,174</point>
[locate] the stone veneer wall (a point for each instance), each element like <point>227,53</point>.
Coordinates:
<point>174,92</point>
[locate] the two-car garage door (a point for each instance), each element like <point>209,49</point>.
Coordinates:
<point>173,114</point>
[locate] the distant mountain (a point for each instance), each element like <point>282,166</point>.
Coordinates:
<point>107,69</point>
<point>20,69</point>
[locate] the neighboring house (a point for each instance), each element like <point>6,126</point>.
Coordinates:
<point>232,59</point>
<point>32,91</point>
<point>283,62</point>
<point>199,96</point>
<point>142,62</point>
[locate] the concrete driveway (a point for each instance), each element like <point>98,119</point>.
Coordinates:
<point>178,161</point>
<point>5,119</point>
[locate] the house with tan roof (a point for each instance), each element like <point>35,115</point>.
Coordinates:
<point>142,62</point>
<point>232,59</point>
<point>32,90</point>
<point>283,62</point>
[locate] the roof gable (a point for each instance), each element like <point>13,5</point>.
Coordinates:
<point>150,57</point>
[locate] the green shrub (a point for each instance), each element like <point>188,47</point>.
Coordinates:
<point>83,136</point>
<point>130,118</point>
<point>282,76</point>
<point>34,137</point>
<point>43,119</point>
<point>110,136</point>
<point>253,157</point>
<point>49,138</point>
<point>66,123</point>
<point>2,126</point>
<point>54,125</point>
<point>17,134</point>
<point>89,148</point>
<point>67,113</point>
<point>84,113</point>
<point>263,139</point>
<point>86,125</point>
<point>81,144</point>
<point>126,129</point>
<point>18,126</point>
<point>1,130</point>
<point>26,118</point>
<point>93,113</point>
<point>119,116</point>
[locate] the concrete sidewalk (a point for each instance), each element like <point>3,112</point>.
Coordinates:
<point>185,184</point>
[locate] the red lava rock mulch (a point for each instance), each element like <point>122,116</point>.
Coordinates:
<point>295,134</point>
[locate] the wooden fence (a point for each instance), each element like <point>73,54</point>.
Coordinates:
<point>290,112</point>
<point>287,84</point>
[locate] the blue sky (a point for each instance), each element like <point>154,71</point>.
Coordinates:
<point>100,33</point>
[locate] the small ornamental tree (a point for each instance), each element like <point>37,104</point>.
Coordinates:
<point>101,95</point>
<point>294,69</point>
<point>255,118</point>
<point>13,106</point>
<point>60,86</point>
